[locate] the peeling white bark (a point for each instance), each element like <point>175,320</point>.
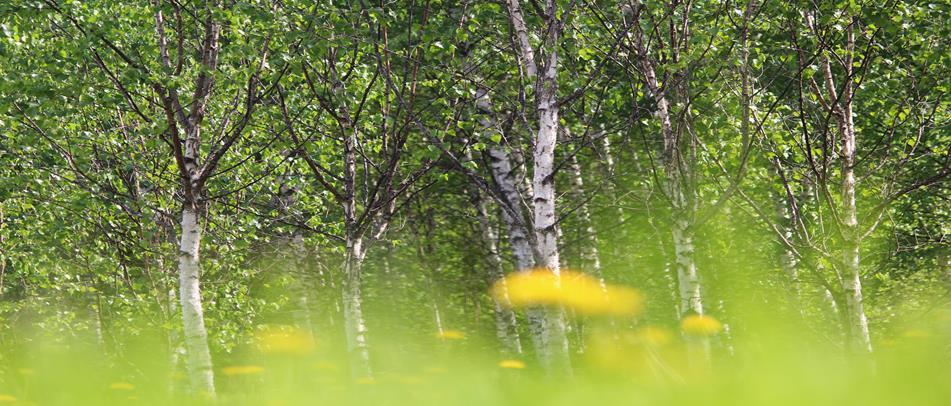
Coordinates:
<point>198,358</point>
<point>851,250</point>
<point>690,298</point>
<point>688,280</point>
<point>506,327</point>
<point>302,313</point>
<point>525,49</point>
<point>555,342</point>
<point>354,323</point>
<point>505,177</point>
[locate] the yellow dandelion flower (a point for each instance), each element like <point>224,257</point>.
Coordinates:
<point>7,399</point>
<point>522,289</point>
<point>326,365</point>
<point>242,370</point>
<point>575,290</point>
<point>511,364</point>
<point>654,336</point>
<point>410,380</point>
<point>700,325</point>
<point>451,335</point>
<point>121,386</point>
<point>285,341</point>
<point>367,380</point>
<point>916,334</point>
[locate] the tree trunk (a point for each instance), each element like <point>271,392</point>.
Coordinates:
<point>175,349</point>
<point>521,246</point>
<point>354,323</point>
<point>554,354</point>
<point>852,283</point>
<point>677,170</point>
<point>788,258</point>
<point>301,310</point>
<point>505,177</point>
<point>610,169</point>
<point>589,249</point>
<point>198,357</point>
<point>506,327</point>
<point>689,282</point>
<point>296,253</point>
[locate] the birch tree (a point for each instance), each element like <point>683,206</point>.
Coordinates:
<point>367,115</point>
<point>553,345</point>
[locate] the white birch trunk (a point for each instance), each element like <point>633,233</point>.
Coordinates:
<point>96,310</point>
<point>676,185</point>
<point>505,177</point>
<point>589,250</point>
<point>506,327</point>
<point>689,282</point>
<point>302,306</point>
<point>611,171</point>
<point>294,250</point>
<point>354,323</point>
<point>851,250</point>
<point>788,218</point>
<point>525,50</point>
<point>198,358</point>
<point>175,350</point>
<point>555,353</point>
<point>858,324</point>
<point>789,261</point>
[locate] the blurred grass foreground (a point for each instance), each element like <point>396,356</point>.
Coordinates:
<point>774,359</point>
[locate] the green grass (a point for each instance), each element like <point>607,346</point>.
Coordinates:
<point>773,362</point>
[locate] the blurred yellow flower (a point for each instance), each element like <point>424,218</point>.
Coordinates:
<point>511,364</point>
<point>575,290</point>
<point>7,399</point>
<point>451,335</point>
<point>122,386</point>
<point>325,365</point>
<point>367,380</point>
<point>916,334</point>
<point>700,325</point>
<point>410,380</point>
<point>654,336</point>
<point>286,341</point>
<point>242,370</point>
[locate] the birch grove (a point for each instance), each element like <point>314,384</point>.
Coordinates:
<point>545,200</point>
